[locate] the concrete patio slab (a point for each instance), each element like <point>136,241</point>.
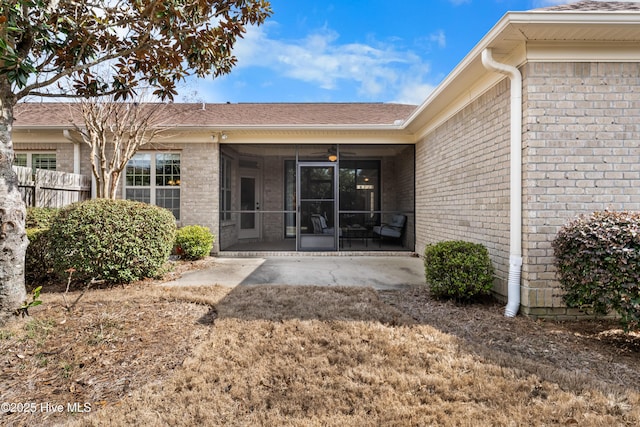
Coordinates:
<point>372,271</point>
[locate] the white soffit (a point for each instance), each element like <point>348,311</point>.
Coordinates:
<point>621,51</point>
<point>291,135</point>
<point>317,136</point>
<point>568,37</point>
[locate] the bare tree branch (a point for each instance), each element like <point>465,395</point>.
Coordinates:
<point>115,131</point>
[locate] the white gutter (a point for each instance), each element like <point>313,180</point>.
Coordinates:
<point>295,127</point>
<point>515,194</point>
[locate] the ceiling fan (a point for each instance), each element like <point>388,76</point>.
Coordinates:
<point>332,153</point>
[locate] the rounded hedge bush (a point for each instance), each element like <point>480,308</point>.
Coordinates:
<point>598,264</point>
<point>38,267</point>
<point>40,217</point>
<point>118,241</point>
<point>194,242</point>
<point>458,270</point>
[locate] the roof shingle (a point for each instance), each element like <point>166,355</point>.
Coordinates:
<point>598,6</point>
<point>262,114</point>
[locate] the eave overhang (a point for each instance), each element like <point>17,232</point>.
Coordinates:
<point>250,134</point>
<point>540,36</point>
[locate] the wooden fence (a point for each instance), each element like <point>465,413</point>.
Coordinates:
<point>52,189</point>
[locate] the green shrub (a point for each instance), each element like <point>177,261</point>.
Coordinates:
<point>38,266</point>
<point>40,217</point>
<point>194,242</point>
<point>117,241</point>
<point>598,264</point>
<point>458,270</point>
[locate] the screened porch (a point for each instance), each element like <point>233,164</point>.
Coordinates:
<point>320,198</point>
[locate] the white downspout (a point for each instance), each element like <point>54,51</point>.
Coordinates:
<point>76,159</point>
<point>76,151</point>
<point>515,195</point>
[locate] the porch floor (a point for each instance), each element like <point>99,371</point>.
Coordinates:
<point>346,245</point>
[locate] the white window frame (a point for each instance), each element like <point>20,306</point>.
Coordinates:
<point>30,155</point>
<point>152,187</point>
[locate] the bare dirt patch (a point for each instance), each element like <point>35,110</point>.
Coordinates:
<point>274,355</point>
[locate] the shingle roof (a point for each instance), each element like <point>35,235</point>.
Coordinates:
<point>263,114</point>
<point>599,6</point>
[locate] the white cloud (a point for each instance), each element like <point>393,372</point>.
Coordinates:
<point>414,93</point>
<point>439,38</point>
<point>375,69</point>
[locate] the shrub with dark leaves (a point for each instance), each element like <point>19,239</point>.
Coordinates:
<point>117,241</point>
<point>40,217</point>
<point>458,270</point>
<point>598,263</point>
<point>38,268</point>
<point>37,263</point>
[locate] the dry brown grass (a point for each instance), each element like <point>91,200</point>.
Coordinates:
<point>303,356</point>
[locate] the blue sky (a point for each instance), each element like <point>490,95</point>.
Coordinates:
<point>354,50</point>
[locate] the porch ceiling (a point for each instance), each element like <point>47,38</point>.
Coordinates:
<point>352,151</point>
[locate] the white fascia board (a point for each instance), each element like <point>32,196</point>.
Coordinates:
<point>294,128</point>
<point>468,80</point>
<point>459,76</point>
<point>29,128</point>
<point>318,139</point>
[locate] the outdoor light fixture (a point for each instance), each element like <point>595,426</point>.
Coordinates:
<point>218,136</point>
<point>333,153</point>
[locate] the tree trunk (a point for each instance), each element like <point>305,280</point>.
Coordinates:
<point>115,182</point>
<point>13,237</point>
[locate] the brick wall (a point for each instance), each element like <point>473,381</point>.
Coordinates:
<point>64,158</point>
<point>200,177</point>
<point>581,153</point>
<point>273,198</point>
<point>462,180</point>
<point>388,185</point>
<point>405,199</point>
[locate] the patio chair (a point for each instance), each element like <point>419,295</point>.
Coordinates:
<point>319,223</point>
<point>393,230</point>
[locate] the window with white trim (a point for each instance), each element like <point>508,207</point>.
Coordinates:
<point>154,178</point>
<point>36,160</point>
